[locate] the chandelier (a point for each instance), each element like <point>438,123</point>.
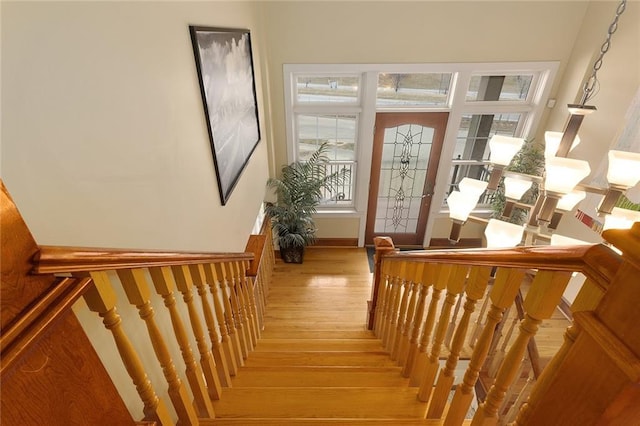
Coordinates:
<point>560,187</point>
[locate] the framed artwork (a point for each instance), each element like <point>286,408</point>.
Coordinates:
<point>225,69</point>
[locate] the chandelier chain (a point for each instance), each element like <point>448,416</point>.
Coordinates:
<point>591,85</point>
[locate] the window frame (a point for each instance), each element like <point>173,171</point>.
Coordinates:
<point>532,109</point>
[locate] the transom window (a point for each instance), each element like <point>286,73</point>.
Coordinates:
<point>513,88</point>
<point>423,89</point>
<point>327,89</point>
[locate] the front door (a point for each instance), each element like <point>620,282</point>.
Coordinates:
<point>406,152</point>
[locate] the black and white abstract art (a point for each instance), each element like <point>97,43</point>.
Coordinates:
<point>225,69</point>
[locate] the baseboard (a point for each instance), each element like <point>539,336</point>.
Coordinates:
<point>444,243</point>
<point>335,242</point>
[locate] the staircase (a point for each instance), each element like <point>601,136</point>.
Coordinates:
<point>316,363</point>
<point>222,338</point>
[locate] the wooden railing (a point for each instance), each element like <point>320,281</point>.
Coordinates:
<point>406,312</point>
<point>225,317</point>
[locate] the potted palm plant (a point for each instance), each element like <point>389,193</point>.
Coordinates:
<point>299,190</point>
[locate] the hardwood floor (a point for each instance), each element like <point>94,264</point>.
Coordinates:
<point>316,363</point>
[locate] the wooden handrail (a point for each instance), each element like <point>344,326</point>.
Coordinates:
<point>594,260</point>
<point>55,259</point>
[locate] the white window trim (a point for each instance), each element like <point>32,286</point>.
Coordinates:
<point>532,107</point>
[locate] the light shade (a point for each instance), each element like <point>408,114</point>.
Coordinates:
<point>460,205</point>
<point>503,149</point>
<point>563,174</point>
<point>624,168</point>
<point>515,188</point>
<point>568,201</point>
<point>502,234</point>
<point>561,240</point>
<point>472,187</point>
<point>552,142</point>
<point>621,218</point>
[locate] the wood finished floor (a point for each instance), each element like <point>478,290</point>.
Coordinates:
<point>316,362</point>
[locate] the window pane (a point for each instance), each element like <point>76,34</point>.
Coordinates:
<point>499,87</point>
<point>413,89</point>
<point>323,89</point>
<point>339,131</point>
<point>342,193</point>
<point>471,153</point>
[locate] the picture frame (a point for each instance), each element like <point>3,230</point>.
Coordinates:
<point>224,63</point>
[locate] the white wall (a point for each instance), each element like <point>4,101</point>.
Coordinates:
<point>104,141</point>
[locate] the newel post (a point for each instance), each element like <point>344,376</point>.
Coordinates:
<point>383,245</point>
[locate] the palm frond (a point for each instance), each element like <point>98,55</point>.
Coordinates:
<point>299,190</point>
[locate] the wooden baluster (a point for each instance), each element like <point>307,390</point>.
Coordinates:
<point>478,326</point>
<point>101,299</point>
<point>248,285</point>
<point>455,281</point>
<point>252,273</point>
<point>243,304</point>
<point>523,369</point>
<point>503,293</point>
<point>497,338</point>
<point>237,306</point>
<point>420,362</point>
<point>163,282</point>
<point>247,292</point>
<point>401,284</point>
<point>404,305</point>
<point>383,245</point>
<point>587,300</point>
<point>227,283</point>
<point>476,286</point>
<point>258,288</point>
<point>230,316</point>
<point>258,293</point>
<point>395,282</point>
<point>521,399</point>
<point>548,373</point>
<point>426,281</point>
<point>543,297</point>
<point>137,291</point>
<point>452,324</point>
<point>384,291</point>
<point>496,360</point>
<point>225,336</point>
<point>185,278</point>
<point>409,323</point>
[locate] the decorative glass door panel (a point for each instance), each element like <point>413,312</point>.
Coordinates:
<point>405,159</point>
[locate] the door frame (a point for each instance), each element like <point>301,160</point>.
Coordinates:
<point>438,121</point>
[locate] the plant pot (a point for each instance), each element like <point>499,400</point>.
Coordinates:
<point>292,254</point>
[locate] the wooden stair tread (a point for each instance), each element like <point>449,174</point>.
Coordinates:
<point>321,421</point>
<point>296,345</point>
<point>299,333</point>
<point>313,402</point>
<point>327,376</point>
<point>346,358</point>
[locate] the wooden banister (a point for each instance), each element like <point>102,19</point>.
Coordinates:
<point>595,260</point>
<point>604,329</point>
<point>231,280</point>
<point>55,259</point>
